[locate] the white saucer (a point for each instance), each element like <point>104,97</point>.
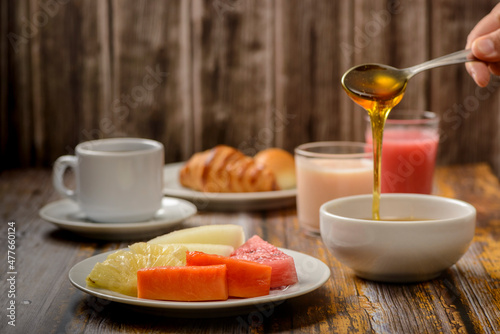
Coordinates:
<point>66,215</point>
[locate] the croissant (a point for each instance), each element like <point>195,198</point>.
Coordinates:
<point>226,169</point>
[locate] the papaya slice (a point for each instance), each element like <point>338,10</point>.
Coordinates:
<point>245,279</point>
<point>195,283</point>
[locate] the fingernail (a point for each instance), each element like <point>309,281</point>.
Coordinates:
<point>472,73</point>
<point>471,70</point>
<point>486,47</point>
<point>474,77</point>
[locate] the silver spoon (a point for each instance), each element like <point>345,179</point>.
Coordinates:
<point>386,82</point>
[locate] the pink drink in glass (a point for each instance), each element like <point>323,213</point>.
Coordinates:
<point>409,149</point>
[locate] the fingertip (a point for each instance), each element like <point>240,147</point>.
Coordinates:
<point>471,70</point>
<point>484,48</point>
<point>482,83</point>
<point>482,80</point>
<point>479,73</point>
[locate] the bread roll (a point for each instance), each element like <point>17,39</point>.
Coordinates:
<point>281,163</point>
<point>225,169</point>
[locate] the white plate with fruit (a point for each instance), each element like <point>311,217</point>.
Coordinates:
<point>98,276</point>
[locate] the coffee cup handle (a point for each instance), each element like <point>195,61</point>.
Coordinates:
<point>62,163</point>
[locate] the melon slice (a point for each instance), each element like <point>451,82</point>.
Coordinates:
<point>283,267</point>
<point>228,234</point>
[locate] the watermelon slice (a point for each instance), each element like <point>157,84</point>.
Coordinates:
<point>283,267</point>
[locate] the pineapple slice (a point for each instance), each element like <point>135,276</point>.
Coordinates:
<point>119,271</point>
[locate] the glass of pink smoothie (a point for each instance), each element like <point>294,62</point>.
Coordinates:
<point>329,170</point>
<point>409,148</point>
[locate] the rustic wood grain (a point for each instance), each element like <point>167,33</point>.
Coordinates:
<point>394,33</point>
<point>60,59</point>
<point>4,79</point>
<point>18,134</point>
<point>151,78</point>
<point>409,35</point>
<point>464,299</point>
<point>233,57</point>
<point>308,72</point>
<point>469,114</point>
<point>247,73</point>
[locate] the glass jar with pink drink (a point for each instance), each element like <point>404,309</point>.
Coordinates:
<point>409,149</point>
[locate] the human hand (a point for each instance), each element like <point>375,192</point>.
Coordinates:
<point>484,40</point>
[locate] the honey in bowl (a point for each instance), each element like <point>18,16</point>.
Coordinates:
<point>376,88</point>
<point>403,219</point>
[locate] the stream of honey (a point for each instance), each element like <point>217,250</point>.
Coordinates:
<point>377,90</point>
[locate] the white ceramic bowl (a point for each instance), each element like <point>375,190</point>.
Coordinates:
<point>398,250</point>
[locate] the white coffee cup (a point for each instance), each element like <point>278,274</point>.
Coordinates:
<point>118,180</point>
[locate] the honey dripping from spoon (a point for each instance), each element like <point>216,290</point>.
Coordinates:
<point>376,88</point>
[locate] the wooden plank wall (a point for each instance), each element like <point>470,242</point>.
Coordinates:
<point>247,73</point>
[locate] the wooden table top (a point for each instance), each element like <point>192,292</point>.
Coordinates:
<point>465,298</point>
